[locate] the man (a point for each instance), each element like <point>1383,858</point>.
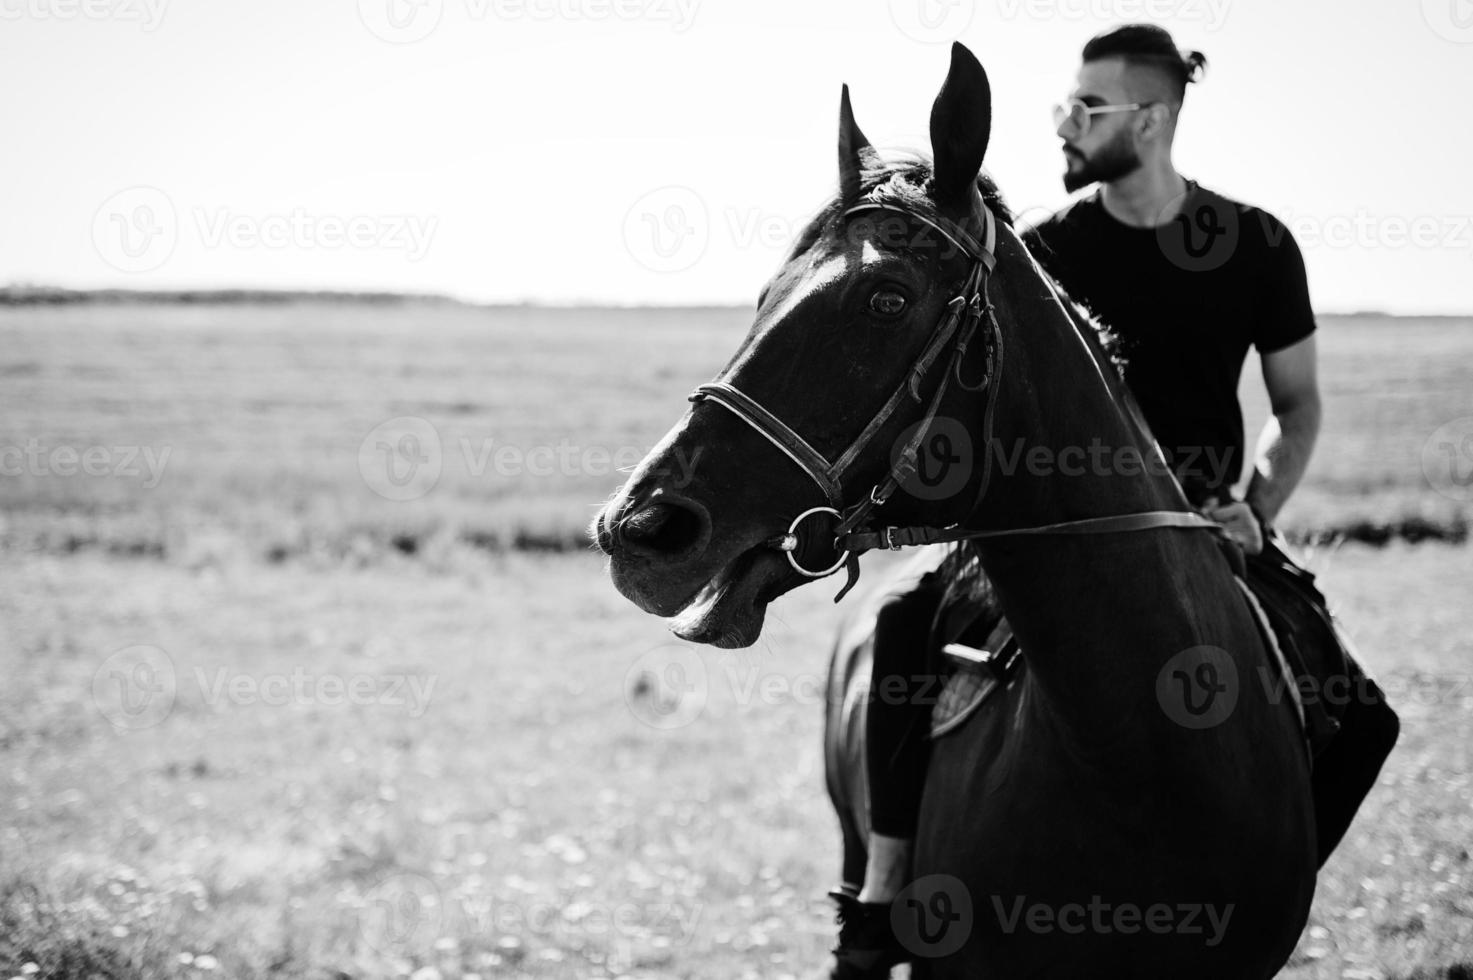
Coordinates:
<point>1188,281</point>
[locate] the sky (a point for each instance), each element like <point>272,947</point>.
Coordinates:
<point>666,151</point>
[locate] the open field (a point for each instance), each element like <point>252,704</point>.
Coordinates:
<point>259,720</point>
<point>556,832</point>
<point>255,417</point>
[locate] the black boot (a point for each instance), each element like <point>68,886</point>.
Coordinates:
<point>867,947</point>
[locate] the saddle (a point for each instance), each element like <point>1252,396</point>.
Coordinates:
<point>979,649</point>
<point>983,656</point>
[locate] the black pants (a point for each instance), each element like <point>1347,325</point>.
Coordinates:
<point>1347,766</point>
<point>902,693</point>
<point>1347,769</point>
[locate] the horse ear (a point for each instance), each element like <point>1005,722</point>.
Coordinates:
<point>855,152</point>
<point>961,124</point>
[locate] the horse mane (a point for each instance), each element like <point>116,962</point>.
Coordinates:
<point>1106,337</point>
<point>961,569</point>
<point>1104,342</point>
<point>904,181</point>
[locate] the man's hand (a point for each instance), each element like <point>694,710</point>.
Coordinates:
<point>1240,522</point>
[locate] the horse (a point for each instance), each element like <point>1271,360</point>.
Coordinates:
<point>1087,828</point>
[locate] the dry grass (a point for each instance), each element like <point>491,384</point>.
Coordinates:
<point>521,817</point>
<point>262,412</point>
<point>559,834</point>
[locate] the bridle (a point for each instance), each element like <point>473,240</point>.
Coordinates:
<point>852,534</point>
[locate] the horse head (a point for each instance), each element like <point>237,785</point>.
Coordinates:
<point>876,328</point>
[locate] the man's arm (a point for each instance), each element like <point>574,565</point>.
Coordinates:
<point>1288,437</point>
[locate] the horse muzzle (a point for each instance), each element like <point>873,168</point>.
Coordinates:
<point>662,557</point>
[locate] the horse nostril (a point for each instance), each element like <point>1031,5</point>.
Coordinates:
<point>662,529</point>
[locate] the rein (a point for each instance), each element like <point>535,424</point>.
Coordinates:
<point>853,534</point>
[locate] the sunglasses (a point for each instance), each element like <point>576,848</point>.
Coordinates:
<point>1078,114</point>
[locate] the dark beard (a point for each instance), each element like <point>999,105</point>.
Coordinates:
<point>1112,161</point>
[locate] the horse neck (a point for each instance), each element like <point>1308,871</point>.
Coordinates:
<point>1078,602</point>
<point>1065,442</point>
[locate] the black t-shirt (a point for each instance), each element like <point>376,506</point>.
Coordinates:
<point>1187,299</point>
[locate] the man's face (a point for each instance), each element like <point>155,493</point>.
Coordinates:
<point>1108,151</point>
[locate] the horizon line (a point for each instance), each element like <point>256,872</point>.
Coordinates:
<point>42,295</point>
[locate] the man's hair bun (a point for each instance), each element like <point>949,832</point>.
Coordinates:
<point>1195,63</point>
<point>1149,46</point>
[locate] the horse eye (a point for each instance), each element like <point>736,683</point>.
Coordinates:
<point>887,302</point>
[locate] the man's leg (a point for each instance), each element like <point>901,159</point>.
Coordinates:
<point>896,735</point>
<point>897,748</point>
<point>1347,769</point>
